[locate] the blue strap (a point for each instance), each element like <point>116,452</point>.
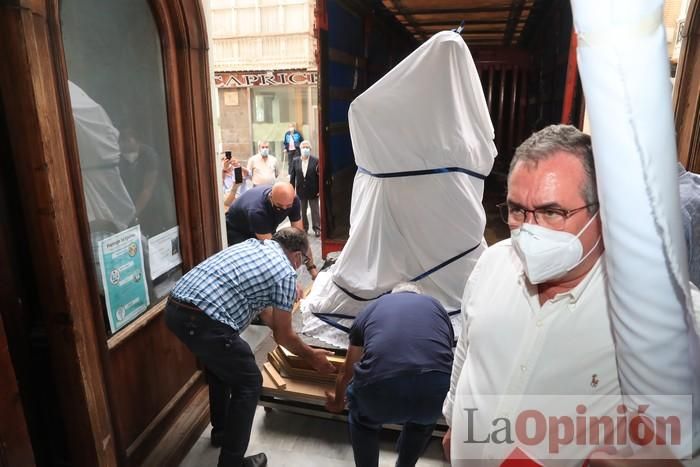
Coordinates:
<point>415,279</point>
<point>413,173</point>
<point>356,297</point>
<point>443,264</point>
<point>326,318</point>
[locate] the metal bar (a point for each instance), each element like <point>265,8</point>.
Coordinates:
<point>472,22</point>
<point>522,97</point>
<point>459,11</point>
<point>570,84</point>
<point>501,101</point>
<point>312,410</point>
<point>490,89</point>
<point>515,71</point>
<point>513,17</point>
<point>417,29</point>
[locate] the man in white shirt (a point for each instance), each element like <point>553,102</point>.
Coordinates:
<point>263,166</point>
<point>536,313</point>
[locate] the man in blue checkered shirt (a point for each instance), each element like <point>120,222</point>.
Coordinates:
<point>209,307</point>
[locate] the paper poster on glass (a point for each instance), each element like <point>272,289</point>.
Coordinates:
<point>164,252</point>
<point>123,277</point>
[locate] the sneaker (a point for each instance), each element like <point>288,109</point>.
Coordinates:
<point>258,460</point>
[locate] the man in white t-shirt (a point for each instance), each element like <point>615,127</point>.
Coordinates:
<point>263,166</point>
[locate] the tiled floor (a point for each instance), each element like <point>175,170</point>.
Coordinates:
<point>291,440</point>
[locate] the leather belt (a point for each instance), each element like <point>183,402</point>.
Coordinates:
<point>189,306</point>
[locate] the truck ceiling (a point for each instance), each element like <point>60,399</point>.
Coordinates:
<point>486,22</point>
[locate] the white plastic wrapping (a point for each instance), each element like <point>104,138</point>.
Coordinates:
<point>624,71</point>
<point>106,197</point>
<point>429,112</point>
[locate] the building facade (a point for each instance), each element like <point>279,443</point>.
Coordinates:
<point>265,73</point>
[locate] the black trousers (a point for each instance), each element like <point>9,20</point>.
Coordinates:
<point>291,155</point>
<point>234,379</point>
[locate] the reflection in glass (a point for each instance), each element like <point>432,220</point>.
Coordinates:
<point>117,95</point>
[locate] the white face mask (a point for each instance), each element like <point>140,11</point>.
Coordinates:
<point>548,254</point>
<point>264,151</point>
<point>305,152</point>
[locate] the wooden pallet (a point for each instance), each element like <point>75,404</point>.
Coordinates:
<point>296,368</point>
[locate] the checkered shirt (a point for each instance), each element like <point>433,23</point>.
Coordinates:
<point>236,284</point>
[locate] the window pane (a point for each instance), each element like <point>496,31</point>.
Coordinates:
<point>117,95</point>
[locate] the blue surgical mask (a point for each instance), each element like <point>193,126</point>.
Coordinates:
<point>264,151</point>
<point>306,152</point>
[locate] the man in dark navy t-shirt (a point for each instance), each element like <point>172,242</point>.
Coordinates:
<point>259,211</point>
<point>399,360</point>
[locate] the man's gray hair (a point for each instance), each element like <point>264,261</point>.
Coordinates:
<point>407,287</point>
<point>292,239</point>
<point>561,138</point>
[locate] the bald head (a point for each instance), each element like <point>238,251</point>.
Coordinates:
<point>282,195</point>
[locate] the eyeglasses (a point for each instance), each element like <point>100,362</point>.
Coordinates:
<point>554,218</point>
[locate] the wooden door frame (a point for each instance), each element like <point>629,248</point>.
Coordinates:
<point>686,95</point>
<point>15,446</point>
<point>35,93</point>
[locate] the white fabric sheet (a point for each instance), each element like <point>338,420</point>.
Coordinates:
<point>106,197</point>
<point>428,112</point>
<point>624,72</point>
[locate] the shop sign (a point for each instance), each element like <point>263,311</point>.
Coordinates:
<point>270,78</point>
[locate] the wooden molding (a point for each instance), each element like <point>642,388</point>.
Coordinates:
<point>686,96</point>
<point>31,95</point>
<point>33,83</point>
<point>183,432</point>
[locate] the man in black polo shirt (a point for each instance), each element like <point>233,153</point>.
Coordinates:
<point>258,212</point>
<point>400,361</point>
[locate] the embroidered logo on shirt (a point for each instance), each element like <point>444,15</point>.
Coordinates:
<point>594,381</point>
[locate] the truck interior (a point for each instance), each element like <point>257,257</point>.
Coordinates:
<point>523,52</point>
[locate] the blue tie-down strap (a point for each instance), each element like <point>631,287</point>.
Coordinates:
<point>415,173</point>
<point>415,279</point>
<point>326,317</point>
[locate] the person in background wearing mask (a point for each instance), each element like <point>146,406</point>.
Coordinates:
<point>291,141</point>
<point>138,167</point>
<point>535,306</point>
<point>214,302</point>
<point>259,211</point>
<point>304,178</point>
<point>689,188</point>
<point>230,187</point>
<point>263,166</point>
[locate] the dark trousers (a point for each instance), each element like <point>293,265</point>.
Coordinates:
<point>315,214</point>
<point>291,155</point>
<point>412,400</point>
<point>234,379</point>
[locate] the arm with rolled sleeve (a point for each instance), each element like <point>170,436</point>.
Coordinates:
<point>280,320</point>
